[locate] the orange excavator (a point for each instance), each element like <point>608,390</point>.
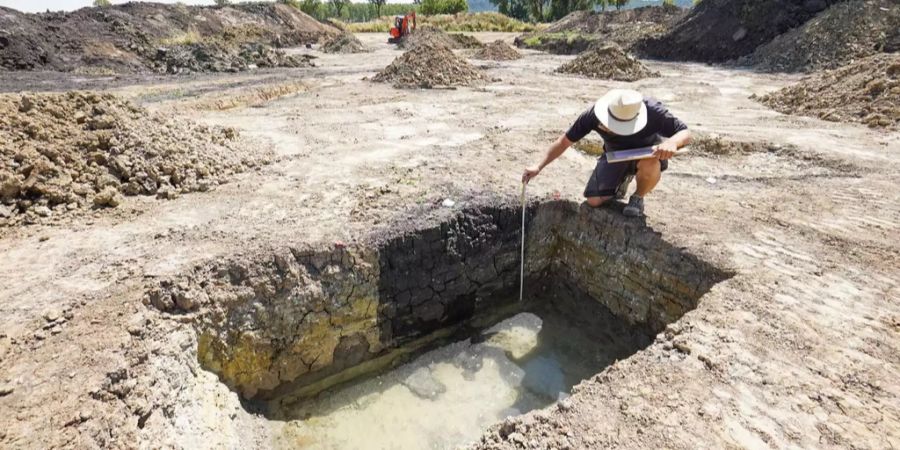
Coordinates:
<point>403,25</point>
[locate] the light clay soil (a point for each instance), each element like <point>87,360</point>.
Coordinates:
<point>800,348</point>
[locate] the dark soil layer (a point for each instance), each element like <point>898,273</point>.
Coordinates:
<point>608,62</point>
<point>722,30</point>
<point>138,36</point>
<point>498,51</point>
<point>865,91</point>
<point>429,65</point>
<point>344,43</point>
<point>839,35</point>
<point>63,152</point>
<point>582,29</point>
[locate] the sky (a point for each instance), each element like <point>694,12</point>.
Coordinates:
<point>69,5</point>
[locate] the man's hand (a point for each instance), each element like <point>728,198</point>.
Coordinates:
<point>530,172</point>
<point>665,150</point>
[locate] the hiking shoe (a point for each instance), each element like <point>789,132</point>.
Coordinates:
<point>623,187</point>
<point>635,207</point>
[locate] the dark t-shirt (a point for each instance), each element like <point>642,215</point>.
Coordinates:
<point>660,123</point>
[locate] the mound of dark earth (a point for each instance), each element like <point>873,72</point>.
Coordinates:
<point>497,51</point>
<point>607,62</point>
<point>865,91</point>
<point>581,30</point>
<point>839,35</point>
<point>139,36</point>
<point>429,65</point>
<point>722,30</point>
<point>64,152</point>
<point>344,43</point>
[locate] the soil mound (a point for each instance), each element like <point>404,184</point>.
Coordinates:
<point>139,36</point>
<point>344,43</point>
<point>429,65</point>
<point>865,91</point>
<point>722,30</point>
<point>581,30</point>
<point>607,62</point>
<point>435,36</point>
<point>839,35</point>
<point>63,152</point>
<point>498,51</point>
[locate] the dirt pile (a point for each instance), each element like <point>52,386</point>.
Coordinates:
<point>722,30</point>
<point>865,91</point>
<point>344,43</point>
<point>498,51</point>
<point>581,30</point>
<point>429,65</point>
<point>607,62</point>
<point>138,36</point>
<point>839,35</point>
<point>223,56</point>
<point>63,152</point>
<point>435,36</point>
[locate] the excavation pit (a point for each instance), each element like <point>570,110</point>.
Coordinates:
<point>391,339</point>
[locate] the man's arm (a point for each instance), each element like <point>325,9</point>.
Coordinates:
<point>556,149</point>
<point>585,123</point>
<point>666,149</point>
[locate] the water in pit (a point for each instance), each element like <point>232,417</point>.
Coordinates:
<point>448,396</point>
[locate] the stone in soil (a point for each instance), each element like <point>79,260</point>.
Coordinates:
<point>59,152</point>
<point>866,91</point>
<point>608,62</point>
<point>429,65</point>
<point>498,51</point>
<point>424,385</point>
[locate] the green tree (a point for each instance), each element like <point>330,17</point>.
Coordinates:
<point>377,4</point>
<point>338,6</point>
<point>619,3</point>
<point>429,7</point>
<point>311,7</point>
<point>294,3</point>
<point>537,8</point>
<point>223,2</point>
<point>512,8</point>
<point>102,3</point>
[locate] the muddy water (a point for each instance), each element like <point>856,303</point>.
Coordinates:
<point>446,397</point>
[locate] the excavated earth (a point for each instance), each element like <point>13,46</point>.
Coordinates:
<point>429,65</point>
<point>840,35</point>
<point>865,91</point>
<point>765,273</point>
<point>581,30</point>
<point>344,43</point>
<point>142,36</point>
<point>607,62</point>
<point>497,51</point>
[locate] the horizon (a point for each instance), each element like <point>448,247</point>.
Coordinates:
<point>38,6</point>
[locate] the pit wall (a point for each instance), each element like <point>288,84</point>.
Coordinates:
<point>313,318</point>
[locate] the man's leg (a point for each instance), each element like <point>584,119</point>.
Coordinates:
<point>648,174</point>
<point>597,201</point>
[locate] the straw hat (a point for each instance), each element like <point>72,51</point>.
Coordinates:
<point>622,111</point>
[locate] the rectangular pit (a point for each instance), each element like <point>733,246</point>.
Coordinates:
<point>280,330</point>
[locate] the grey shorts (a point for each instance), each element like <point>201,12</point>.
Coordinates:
<point>607,177</point>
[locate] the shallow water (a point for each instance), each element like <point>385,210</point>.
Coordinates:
<point>448,396</point>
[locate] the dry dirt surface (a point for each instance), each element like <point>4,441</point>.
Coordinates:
<point>61,153</point>
<point>428,65</point>
<point>865,91</point>
<point>799,347</point>
<point>839,35</point>
<point>722,30</point>
<point>141,36</point>
<point>497,51</point>
<point>344,43</point>
<point>608,62</point>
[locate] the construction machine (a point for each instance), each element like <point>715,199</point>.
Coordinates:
<point>403,25</point>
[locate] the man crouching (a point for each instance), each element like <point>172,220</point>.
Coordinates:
<point>625,120</point>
